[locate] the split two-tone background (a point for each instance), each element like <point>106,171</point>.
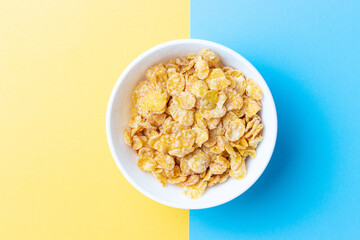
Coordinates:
<point>60,59</point>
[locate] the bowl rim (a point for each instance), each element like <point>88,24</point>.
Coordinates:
<point>109,133</point>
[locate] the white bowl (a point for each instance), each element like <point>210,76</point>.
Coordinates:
<point>118,114</point>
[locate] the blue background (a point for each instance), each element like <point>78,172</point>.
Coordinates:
<point>309,54</point>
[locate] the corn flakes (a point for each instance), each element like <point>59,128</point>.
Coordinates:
<point>175,84</point>
<point>154,101</point>
<point>164,161</point>
<point>210,99</point>
<point>147,164</point>
<point>198,88</point>
<point>217,80</point>
<point>194,122</point>
<point>212,59</point>
<point>253,90</point>
<point>202,135</point>
<point>251,107</point>
<point>201,67</point>
<point>182,116</point>
<point>185,100</point>
<point>127,138</point>
<point>191,180</point>
<point>136,143</point>
<point>235,130</point>
<point>198,161</point>
<point>156,119</point>
<point>196,190</point>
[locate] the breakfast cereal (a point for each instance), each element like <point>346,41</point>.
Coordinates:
<point>194,122</point>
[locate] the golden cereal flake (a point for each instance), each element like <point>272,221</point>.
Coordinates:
<point>177,180</point>
<point>150,132</point>
<point>229,117</point>
<point>248,152</point>
<point>191,180</point>
<point>221,143</point>
<point>158,170</point>
<point>224,177</point>
<point>231,151</point>
<point>190,79</point>
<point>175,84</point>
<point>156,73</point>
<point>184,166</point>
<point>146,152</point>
<point>140,90</point>
<point>255,142</point>
<point>198,161</point>
<point>201,67</point>
<point>173,67</point>
<point>185,100</point>
<point>156,119</point>
<point>238,173</point>
<point>164,161</point>
<point>212,139</point>
<point>220,165</point>
<point>145,141</point>
<point>236,161</point>
<point>161,142</point>
<point>234,100</point>
<point>212,123</point>
<point>216,150</point>
<point>199,120</point>
<point>183,143</point>
<point>174,172</point>
<point>209,56</point>
<point>127,138</point>
<point>154,101</point>
<point>240,84</point>
<point>166,127</point>
<point>253,90</point>
<point>202,135</point>
<point>137,143</point>
<point>135,121</point>
<point>240,144</point>
<point>191,57</point>
<point>231,72</point>
<point>251,107</point>
<point>235,130</point>
<point>161,177</point>
<point>182,116</point>
<point>220,130</point>
<point>196,190</point>
<point>217,80</point>
<point>198,88</point>
<point>189,66</point>
<point>147,164</point>
<point>202,175</point>
<point>254,130</point>
<point>251,122</point>
<point>239,112</point>
<point>178,128</point>
<point>136,130</point>
<point>217,112</point>
<point>217,179</point>
<point>210,99</point>
<point>182,61</point>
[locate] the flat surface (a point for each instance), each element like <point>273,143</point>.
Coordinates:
<point>59,61</point>
<point>308,52</point>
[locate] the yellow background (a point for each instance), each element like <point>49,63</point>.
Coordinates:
<point>59,61</point>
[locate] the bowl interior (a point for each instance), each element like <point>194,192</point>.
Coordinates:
<point>119,113</point>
